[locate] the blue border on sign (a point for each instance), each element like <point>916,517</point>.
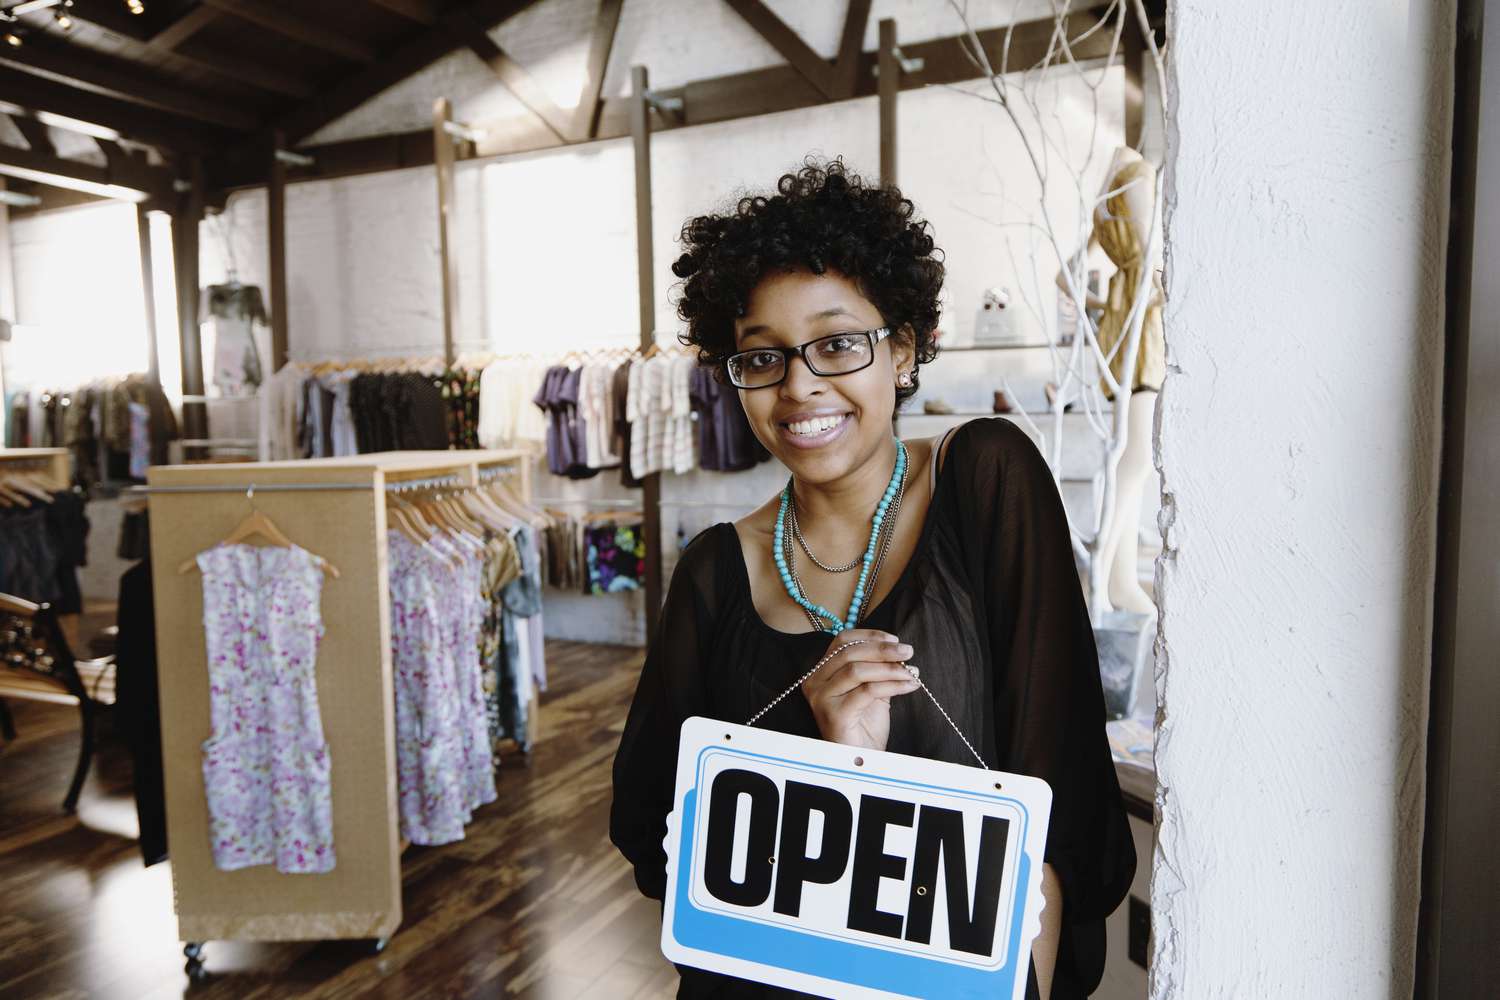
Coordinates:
<point>865,965</point>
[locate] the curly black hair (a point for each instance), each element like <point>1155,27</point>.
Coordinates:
<point>822,218</point>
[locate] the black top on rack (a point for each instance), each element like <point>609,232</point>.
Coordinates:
<point>990,600</point>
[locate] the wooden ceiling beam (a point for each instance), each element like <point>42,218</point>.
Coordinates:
<point>115,78</point>
<point>444,37</point>
<point>851,44</point>
<point>601,43</point>
<point>421,11</point>
<point>35,134</point>
<point>283,20</point>
<point>739,95</point>
<point>521,84</point>
<point>798,54</point>
<point>194,20</point>
<point>31,96</point>
<point>140,46</point>
<point>126,178</point>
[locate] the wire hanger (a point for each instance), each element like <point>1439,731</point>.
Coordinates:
<point>256,523</point>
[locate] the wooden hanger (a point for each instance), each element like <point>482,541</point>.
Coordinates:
<point>10,497</point>
<point>256,523</point>
<point>29,483</point>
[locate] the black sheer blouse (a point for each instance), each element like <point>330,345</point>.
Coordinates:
<point>990,603</point>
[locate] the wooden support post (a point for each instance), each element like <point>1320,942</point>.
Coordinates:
<point>185,262</point>
<point>8,314</point>
<point>1133,54</point>
<point>443,159</point>
<point>276,236</point>
<point>889,88</point>
<point>640,132</point>
<point>148,292</point>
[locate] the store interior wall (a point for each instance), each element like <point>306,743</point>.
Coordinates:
<point>1297,434</point>
<point>545,244</point>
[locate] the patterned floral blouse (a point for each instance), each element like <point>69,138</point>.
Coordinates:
<point>266,765</point>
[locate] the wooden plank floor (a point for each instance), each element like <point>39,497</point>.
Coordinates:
<point>534,903</point>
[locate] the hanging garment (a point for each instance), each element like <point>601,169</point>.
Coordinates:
<point>266,764</point>
<point>725,441</point>
<point>234,309</point>
<point>499,562</point>
<point>521,599</point>
<point>616,555</point>
<point>68,530</point>
<point>29,558</point>
<point>280,407</point>
<point>140,440</point>
<point>18,421</point>
<point>619,395</point>
<point>459,389</point>
<point>341,435</point>
<point>138,708</point>
<point>507,418</point>
<point>444,765</point>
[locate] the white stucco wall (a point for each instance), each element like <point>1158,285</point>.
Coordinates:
<point>1297,439</point>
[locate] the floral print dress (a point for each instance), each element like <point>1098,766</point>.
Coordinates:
<point>266,765</point>
<point>444,768</point>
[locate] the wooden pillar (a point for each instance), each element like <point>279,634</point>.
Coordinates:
<point>148,292</point>
<point>185,263</point>
<point>640,133</point>
<point>276,236</point>
<point>889,87</point>
<point>8,312</point>
<point>1133,53</point>
<point>443,160</point>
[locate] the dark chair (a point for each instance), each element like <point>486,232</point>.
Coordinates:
<point>37,665</point>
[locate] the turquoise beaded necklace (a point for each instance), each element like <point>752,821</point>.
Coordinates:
<point>847,621</point>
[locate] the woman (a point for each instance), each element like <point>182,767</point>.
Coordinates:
<point>819,304</point>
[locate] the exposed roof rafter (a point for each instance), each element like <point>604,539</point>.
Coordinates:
<point>798,54</point>
<point>421,11</point>
<point>601,43</point>
<point>447,35</point>
<point>125,177</point>
<point>283,19</point>
<point>520,83</point>
<point>117,78</point>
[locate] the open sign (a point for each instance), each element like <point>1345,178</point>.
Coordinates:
<point>851,873</point>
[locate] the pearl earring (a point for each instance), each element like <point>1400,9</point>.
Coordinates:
<point>904,380</point>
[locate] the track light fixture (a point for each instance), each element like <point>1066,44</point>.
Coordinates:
<point>13,38</point>
<point>135,6</point>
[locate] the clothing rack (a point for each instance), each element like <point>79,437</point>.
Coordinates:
<point>335,507</point>
<point>53,464</point>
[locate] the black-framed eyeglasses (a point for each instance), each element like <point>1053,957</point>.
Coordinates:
<point>835,354</point>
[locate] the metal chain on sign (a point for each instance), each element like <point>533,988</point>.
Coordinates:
<point>835,652</point>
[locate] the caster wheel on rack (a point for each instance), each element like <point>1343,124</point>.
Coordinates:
<point>193,951</point>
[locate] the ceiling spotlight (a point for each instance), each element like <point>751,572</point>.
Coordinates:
<point>135,6</point>
<point>63,21</point>
<point>13,39</point>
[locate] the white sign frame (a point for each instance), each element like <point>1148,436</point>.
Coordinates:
<point>801,936</point>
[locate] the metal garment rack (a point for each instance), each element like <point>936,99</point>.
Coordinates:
<point>397,486</point>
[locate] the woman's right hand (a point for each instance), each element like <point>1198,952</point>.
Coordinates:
<point>851,695</point>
